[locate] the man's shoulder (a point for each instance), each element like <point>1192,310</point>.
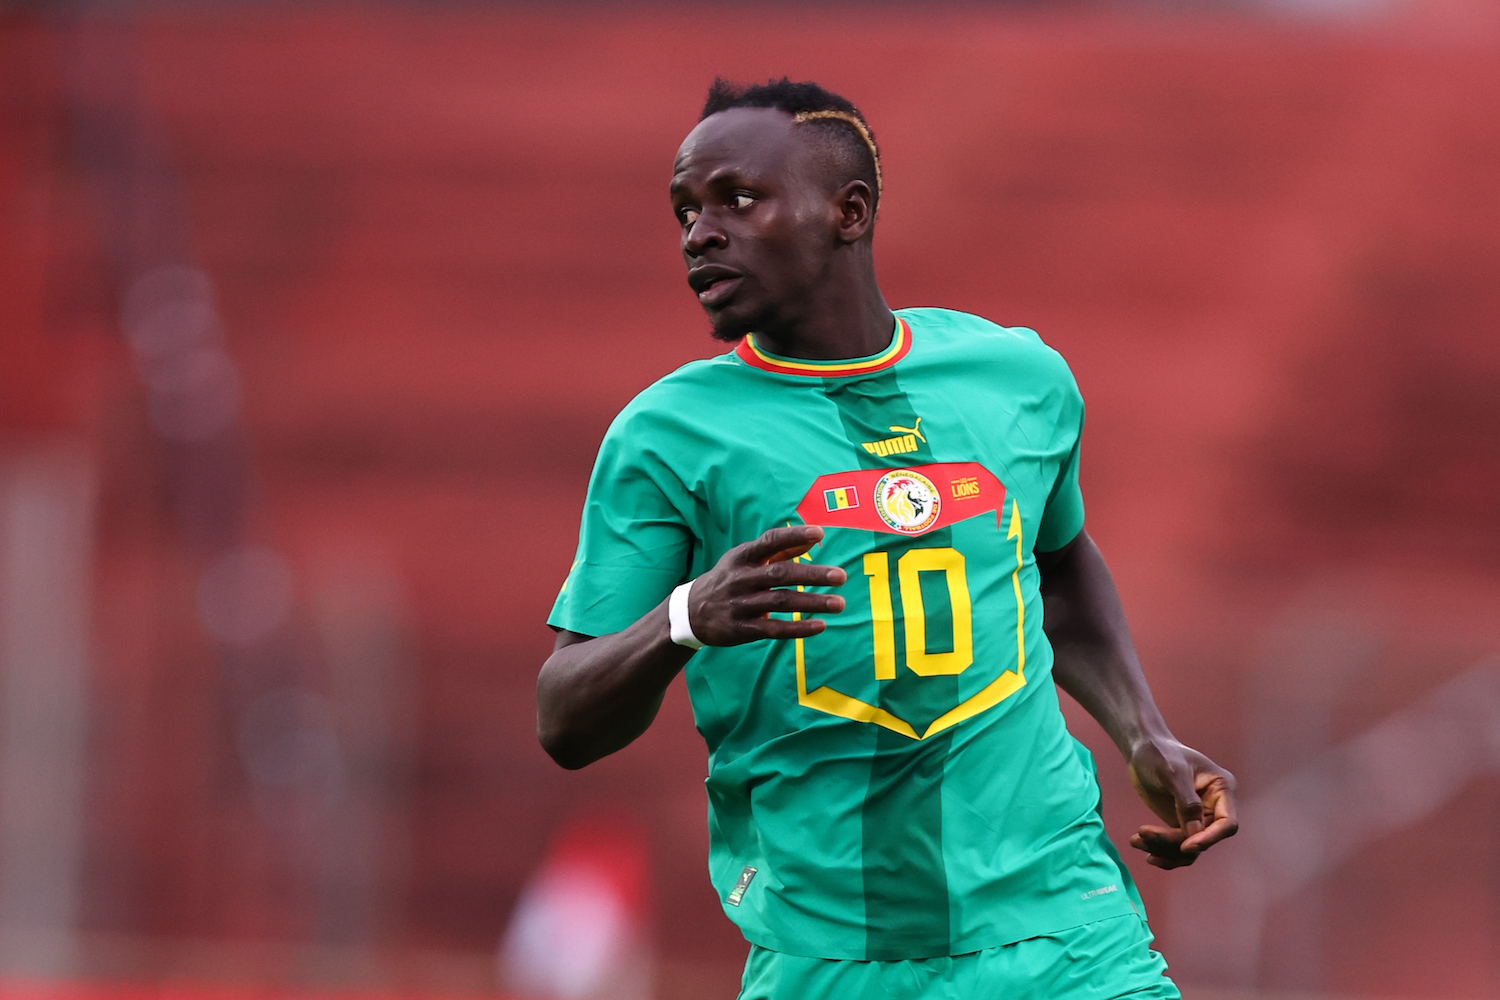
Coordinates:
<point>951,334</point>
<point>692,381</point>
<point>680,397</point>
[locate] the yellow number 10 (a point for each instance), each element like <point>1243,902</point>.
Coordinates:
<point>908,569</point>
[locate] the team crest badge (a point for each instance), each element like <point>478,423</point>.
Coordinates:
<point>907,501</point>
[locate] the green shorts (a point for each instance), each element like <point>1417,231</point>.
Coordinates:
<point>1104,960</point>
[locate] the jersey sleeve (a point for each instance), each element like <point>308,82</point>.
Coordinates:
<point>634,543</point>
<point>1062,519</point>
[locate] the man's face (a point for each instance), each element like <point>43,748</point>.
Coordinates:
<point>758,218</point>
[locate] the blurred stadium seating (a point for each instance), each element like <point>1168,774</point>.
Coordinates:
<point>313,318</point>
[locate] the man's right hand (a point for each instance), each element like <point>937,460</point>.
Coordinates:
<point>731,603</point>
<point>596,694</point>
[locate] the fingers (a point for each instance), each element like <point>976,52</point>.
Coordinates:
<point>1190,816</point>
<point>780,544</point>
<point>1189,805</point>
<point>1167,864</point>
<point>1218,798</point>
<point>1164,847</point>
<point>780,628</point>
<point>1216,831</point>
<point>789,574</point>
<point>763,602</point>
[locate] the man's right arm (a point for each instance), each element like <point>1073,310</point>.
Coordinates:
<point>595,695</point>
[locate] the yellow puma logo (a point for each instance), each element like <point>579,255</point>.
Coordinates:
<point>903,443</point>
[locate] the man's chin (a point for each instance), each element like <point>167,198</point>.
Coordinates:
<point>728,327</point>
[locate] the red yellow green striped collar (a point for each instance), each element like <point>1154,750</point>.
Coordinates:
<point>900,344</point>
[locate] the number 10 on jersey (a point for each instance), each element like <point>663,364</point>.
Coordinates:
<point>950,562</point>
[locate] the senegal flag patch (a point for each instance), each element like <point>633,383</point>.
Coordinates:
<point>841,498</point>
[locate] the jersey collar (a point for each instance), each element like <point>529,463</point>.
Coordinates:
<point>755,357</point>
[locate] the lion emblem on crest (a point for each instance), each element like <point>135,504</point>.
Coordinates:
<point>907,501</point>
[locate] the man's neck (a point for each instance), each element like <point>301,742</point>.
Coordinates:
<point>849,319</point>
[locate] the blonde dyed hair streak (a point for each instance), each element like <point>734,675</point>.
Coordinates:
<point>859,126</point>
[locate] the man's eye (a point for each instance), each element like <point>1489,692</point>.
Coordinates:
<point>741,201</point>
<point>688,216</point>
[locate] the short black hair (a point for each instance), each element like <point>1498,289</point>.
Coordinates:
<point>850,141</point>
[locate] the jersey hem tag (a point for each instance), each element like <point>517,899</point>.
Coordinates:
<point>738,892</point>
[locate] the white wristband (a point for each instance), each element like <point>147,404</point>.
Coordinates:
<point>677,615</point>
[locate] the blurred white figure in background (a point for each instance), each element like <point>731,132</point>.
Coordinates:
<point>579,929</point>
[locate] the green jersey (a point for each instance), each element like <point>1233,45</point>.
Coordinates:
<point>901,785</point>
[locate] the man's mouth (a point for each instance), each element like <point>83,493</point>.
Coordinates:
<point>718,291</point>
<point>714,283</point>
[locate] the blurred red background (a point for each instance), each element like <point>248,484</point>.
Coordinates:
<point>441,260</point>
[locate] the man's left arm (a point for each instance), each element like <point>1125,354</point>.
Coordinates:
<point>1095,663</point>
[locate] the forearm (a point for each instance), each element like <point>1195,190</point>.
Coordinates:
<point>597,695</point>
<point>1095,660</point>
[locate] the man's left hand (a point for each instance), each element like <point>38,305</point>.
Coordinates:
<point>1190,792</point>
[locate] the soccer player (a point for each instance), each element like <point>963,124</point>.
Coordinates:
<point>843,532</point>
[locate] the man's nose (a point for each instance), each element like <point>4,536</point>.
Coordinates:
<point>704,234</point>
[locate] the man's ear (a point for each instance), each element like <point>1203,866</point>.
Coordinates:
<point>856,206</point>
